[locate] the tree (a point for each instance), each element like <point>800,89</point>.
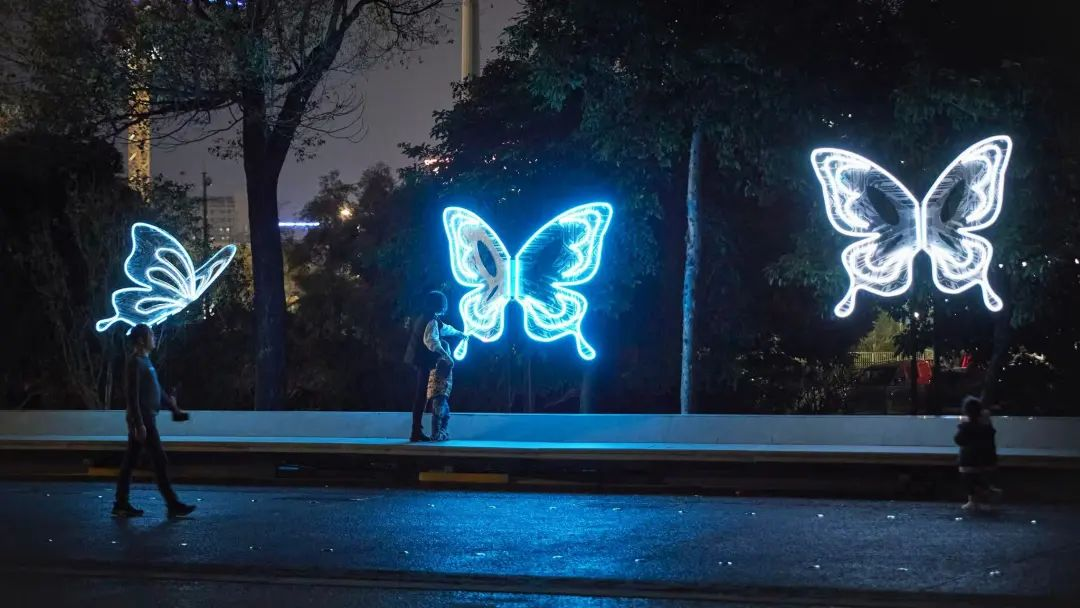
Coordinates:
<point>709,86</point>
<point>60,200</point>
<point>627,62</point>
<point>344,297</point>
<point>66,221</point>
<point>947,90</point>
<point>272,71</point>
<point>519,163</point>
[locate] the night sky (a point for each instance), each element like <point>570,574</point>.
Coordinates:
<point>399,104</point>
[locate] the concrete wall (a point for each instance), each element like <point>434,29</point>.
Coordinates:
<point>1013,432</point>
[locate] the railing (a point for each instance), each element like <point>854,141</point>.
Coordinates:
<point>893,434</point>
<point>860,360</point>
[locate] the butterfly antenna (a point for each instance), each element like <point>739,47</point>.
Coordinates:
<point>584,349</point>
<point>846,305</point>
<point>105,324</point>
<point>990,298</point>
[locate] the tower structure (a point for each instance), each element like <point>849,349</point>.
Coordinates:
<point>138,148</point>
<point>470,38</point>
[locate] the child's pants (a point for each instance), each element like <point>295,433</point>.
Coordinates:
<point>440,417</point>
<point>976,483</point>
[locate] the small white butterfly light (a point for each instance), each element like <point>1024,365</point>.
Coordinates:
<point>166,277</point>
<point>881,260</point>
<point>564,253</point>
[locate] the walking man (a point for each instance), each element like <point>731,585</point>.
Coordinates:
<point>144,399</point>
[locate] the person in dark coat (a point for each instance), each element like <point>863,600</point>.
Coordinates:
<point>427,328</point>
<point>144,399</point>
<point>978,453</point>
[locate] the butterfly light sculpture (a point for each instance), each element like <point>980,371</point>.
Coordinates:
<point>881,261</point>
<point>563,253</point>
<point>165,277</point>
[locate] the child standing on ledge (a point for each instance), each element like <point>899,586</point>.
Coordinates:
<point>978,454</point>
<point>438,393</point>
<point>441,377</point>
<point>423,351</point>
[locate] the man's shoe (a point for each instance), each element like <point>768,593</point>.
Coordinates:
<point>419,437</point>
<point>179,509</point>
<point>125,510</point>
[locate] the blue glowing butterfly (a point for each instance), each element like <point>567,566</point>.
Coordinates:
<point>564,253</point>
<point>166,277</point>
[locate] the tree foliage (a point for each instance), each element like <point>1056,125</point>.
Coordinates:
<point>274,72</point>
<point>584,101</point>
<point>947,89</point>
<point>65,233</point>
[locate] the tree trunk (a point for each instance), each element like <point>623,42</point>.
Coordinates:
<point>587,392</point>
<point>913,371</point>
<point>530,393</point>
<point>690,273</point>
<point>261,170</point>
<point>935,397</point>
<point>510,356</point>
<point>267,265</point>
<point>109,381</point>
<point>1002,342</point>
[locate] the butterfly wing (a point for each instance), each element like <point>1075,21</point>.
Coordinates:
<point>212,269</point>
<point>961,260</point>
<point>563,253</point>
<point>478,259</point>
<point>881,260</point>
<point>163,273</point>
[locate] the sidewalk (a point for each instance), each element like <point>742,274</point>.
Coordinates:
<point>564,450</point>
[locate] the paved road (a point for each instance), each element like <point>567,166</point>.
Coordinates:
<point>356,546</point>
<point>117,593</point>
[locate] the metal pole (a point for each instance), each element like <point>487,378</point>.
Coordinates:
<point>914,371</point>
<point>205,214</point>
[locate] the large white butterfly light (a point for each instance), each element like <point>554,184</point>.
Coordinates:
<point>564,253</point>
<point>881,261</point>
<point>166,278</point>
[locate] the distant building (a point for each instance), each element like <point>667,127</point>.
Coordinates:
<point>228,220</point>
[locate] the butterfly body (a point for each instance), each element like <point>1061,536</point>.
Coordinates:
<point>562,254</point>
<point>165,276</point>
<point>882,260</point>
